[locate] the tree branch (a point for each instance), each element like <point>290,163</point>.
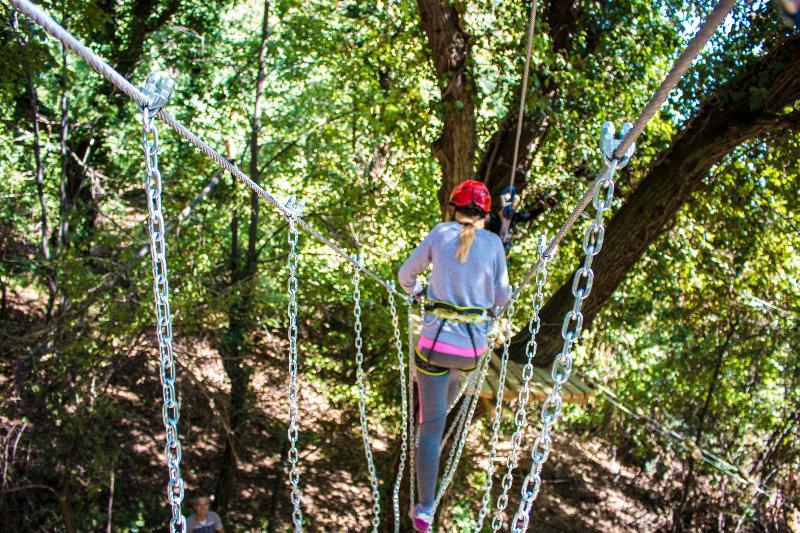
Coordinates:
<point>744,108</point>
<point>450,52</point>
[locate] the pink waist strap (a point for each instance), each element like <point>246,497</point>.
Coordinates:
<point>425,343</point>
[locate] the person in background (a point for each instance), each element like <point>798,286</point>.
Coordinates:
<point>203,520</point>
<point>790,11</point>
<point>503,221</point>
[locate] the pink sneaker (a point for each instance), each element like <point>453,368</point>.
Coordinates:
<point>421,520</point>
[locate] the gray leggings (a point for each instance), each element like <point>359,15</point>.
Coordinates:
<point>435,394</point>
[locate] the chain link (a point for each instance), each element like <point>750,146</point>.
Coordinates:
<point>412,437</point>
<point>570,331</point>
<point>520,417</point>
<point>498,417</point>
<point>170,411</point>
<point>468,382</point>
<point>294,388</point>
<point>398,343</point>
<point>362,401</point>
<point>460,416</point>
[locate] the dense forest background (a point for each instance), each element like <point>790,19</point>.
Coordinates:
<point>371,111</point>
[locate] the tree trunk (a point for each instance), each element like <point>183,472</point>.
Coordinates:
<point>277,487</point>
<point>62,237</point>
<point>261,81</point>
<point>681,519</point>
<point>233,349</point>
<point>494,169</point>
<point>38,177</point>
<point>739,112</point>
<point>450,51</point>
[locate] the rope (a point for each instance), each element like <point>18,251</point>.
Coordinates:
<point>679,68</point>
<point>523,95</point>
<point>97,63</point>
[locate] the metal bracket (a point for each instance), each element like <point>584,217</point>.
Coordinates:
<point>158,89</point>
<point>609,142</point>
<point>294,207</point>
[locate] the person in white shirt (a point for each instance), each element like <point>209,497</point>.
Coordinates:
<point>203,520</point>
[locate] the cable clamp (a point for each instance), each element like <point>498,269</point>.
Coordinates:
<point>609,141</point>
<point>158,90</point>
<point>294,207</point>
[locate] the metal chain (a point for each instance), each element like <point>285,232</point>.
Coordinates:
<point>461,434</point>
<point>521,415</point>
<point>570,331</point>
<point>412,437</point>
<point>398,343</point>
<point>362,401</point>
<point>295,208</point>
<point>457,421</point>
<point>498,417</point>
<point>170,410</point>
<point>468,382</point>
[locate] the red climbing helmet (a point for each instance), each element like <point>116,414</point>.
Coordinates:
<point>471,193</point>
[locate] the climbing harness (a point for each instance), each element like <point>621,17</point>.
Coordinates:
<point>403,409</point>
<point>362,400</point>
<point>445,312</point>
<point>523,396</point>
<point>158,90</point>
<point>464,315</point>
<point>295,209</point>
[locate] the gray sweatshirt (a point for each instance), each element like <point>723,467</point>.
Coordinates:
<point>481,281</point>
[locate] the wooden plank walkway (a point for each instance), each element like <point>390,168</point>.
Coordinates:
<point>574,390</point>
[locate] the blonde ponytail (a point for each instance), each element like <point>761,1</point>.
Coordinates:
<point>469,225</point>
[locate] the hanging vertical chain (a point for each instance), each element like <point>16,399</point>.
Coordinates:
<point>362,399</point>
<point>520,417</point>
<point>468,382</point>
<point>468,385</point>
<point>294,208</point>
<point>398,344</point>
<point>572,324</point>
<point>412,427</point>
<point>159,88</point>
<point>458,421</point>
<point>498,417</point>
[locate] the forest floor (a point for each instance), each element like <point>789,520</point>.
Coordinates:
<point>585,488</point>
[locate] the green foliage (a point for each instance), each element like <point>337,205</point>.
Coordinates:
<point>712,307</point>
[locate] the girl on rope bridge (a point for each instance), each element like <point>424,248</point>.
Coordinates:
<point>469,278</point>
